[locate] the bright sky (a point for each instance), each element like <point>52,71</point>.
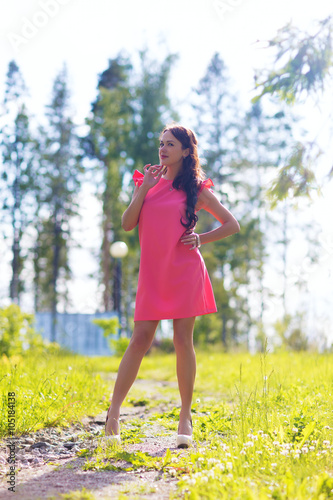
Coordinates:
<point>43,34</point>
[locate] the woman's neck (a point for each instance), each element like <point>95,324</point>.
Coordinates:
<point>172,173</point>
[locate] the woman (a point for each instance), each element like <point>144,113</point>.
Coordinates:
<point>173,280</point>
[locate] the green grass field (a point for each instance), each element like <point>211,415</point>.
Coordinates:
<point>263,424</point>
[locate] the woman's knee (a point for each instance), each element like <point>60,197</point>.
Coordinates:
<point>183,342</point>
<point>183,333</point>
<point>142,338</point>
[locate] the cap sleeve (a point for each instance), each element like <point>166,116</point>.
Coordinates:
<point>138,178</point>
<point>208,183</point>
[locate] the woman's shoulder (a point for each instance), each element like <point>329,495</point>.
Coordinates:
<point>207,183</point>
<point>204,193</point>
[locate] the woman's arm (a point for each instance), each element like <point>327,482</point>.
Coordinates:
<point>229,225</point>
<point>130,217</point>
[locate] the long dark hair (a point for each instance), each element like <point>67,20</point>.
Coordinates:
<point>191,174</point>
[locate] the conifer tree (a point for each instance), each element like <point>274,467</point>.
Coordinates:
<point>107,142</point>
<point>126,119</point>
<point>59,183</point>
<point>18,170</point>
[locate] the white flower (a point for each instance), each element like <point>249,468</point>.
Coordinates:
<point>276,443</point>
<point>273,465</point>
<point>248,444</point>
<point>305,449</point>
<point>311,448</point>
<point>294,429</point>
<point>198,400</point>
<point>229,465</point>
<point>326,443</point>
<point>284,452</point>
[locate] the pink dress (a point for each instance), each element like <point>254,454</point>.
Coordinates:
<point>173,280</point>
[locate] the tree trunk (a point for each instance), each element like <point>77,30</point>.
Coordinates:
<point>55,275</point>
<point>14,284</point>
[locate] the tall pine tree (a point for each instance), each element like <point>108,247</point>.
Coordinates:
<point>18,172</point>
<point>59,182</point>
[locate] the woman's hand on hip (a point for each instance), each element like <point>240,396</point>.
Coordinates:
<point>191,238</point>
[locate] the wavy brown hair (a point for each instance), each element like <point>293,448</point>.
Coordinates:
<point>191,174</point>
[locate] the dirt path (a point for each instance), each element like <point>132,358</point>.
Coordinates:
<point>48,465</point>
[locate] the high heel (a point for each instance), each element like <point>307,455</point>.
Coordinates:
<point>111,438</point>
<point>184,440</point>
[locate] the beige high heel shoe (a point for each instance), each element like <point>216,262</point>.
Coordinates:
<point>111,438</point>
<point>184,440</point>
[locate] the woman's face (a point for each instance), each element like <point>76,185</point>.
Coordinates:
<point>171,151</point>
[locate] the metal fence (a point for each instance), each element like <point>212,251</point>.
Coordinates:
<point>76,332</point>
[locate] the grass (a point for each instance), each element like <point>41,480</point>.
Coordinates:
<point>49,391</point>
<point>263,424</point>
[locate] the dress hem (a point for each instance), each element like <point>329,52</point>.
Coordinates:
<point>176,317</point>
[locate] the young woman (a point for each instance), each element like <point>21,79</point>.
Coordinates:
<point>173,280</point>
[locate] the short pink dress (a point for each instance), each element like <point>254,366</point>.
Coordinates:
<point>173,280</point>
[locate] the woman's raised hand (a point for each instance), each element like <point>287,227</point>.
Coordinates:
<point>152,174</point>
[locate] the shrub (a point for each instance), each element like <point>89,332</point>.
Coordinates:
<point>18,335</point>
<point>110,328</point>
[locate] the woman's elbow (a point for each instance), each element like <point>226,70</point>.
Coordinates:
<point>126,225</point>
<point>237,226</point>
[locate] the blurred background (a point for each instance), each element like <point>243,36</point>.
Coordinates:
<point>85,90</point>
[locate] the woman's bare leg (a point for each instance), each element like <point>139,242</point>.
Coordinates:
<point>186,369</point>
<point>140,342</point>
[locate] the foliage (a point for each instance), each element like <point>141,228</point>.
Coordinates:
<point>127,117</point>
<point>18,336</point>
<point>107,143</point>
<point>109,326</point>
<point>291,334</point>
<point>119,346</point>
<point>17,172</point>
<point>58,186</point>
<point>303,62</point>
<point>294,178</point>
<point>302,68</point>
<point>240,151</point>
